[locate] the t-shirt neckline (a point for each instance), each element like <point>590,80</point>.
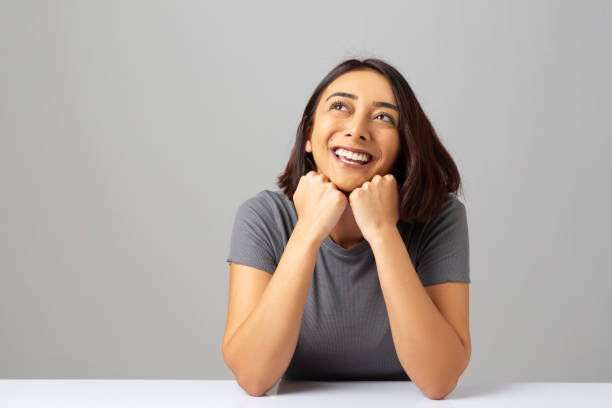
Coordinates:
<point>355,250</point>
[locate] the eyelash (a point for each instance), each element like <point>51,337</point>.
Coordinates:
<point>336,103</point>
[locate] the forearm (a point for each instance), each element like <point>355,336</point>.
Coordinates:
<point>261,349</point>
<point>428,347</point>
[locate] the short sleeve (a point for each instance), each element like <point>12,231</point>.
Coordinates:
<point>250,242</point>
<point>444,251</point>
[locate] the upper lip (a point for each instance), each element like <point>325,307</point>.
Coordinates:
<point>352,149</point>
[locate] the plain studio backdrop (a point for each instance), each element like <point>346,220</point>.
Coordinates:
<point>131,131</point>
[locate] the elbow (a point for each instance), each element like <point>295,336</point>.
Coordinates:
<point>239,379</point>
<point>442,388</point>
<point>437,394</point>
<point>251,383</point>
<point>440,391</point>
<point>254,389</point>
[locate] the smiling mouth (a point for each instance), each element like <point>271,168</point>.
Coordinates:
<point>344,161</point>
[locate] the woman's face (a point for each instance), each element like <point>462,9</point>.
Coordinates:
<point>355,120</point>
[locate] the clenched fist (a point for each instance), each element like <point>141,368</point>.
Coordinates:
<point>319,204</point>
<point>375,205</point>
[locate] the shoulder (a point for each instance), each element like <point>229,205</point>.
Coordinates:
<point>268,218</point>
<point>452,218</point>
<point>267,201</point>
<point>442,252</point>
<point>452,210</point>
<point>269,207</point>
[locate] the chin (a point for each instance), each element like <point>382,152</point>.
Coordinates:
<point>346,190</point>
<point>346,186</point>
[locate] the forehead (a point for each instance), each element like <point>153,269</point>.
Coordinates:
<point>368,85</point>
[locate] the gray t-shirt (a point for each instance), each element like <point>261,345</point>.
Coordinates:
<point>345,332</point>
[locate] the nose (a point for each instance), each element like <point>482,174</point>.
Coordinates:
<point>359,127</point>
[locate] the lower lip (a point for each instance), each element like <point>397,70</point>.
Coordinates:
<point>355,166</point>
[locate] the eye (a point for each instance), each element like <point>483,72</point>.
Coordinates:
<point>338,103</point>
<point>335,104</point>
<point>391,120</point>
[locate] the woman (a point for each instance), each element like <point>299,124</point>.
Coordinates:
<point>359,268</point>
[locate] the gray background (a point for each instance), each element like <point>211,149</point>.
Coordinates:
<point>131,131</point>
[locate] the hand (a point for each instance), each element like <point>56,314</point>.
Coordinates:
<point>319,204</point>
<point>375,205</point>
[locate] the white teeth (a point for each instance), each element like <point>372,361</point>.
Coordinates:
<point>351,155</point>
<point>347,161</point>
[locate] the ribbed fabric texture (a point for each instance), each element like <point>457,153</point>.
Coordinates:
<point>345,332</point>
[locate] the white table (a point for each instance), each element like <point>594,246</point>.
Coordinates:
<point>227,393</point>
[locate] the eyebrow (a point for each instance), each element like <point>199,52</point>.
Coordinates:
<point>376,103</point>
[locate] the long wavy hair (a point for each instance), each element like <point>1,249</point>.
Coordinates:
<point>424,170</point>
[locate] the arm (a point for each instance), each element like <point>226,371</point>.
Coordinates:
<point>430,350</point>
<point>260,350</point>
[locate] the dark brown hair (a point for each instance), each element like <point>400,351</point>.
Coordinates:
<point>424,170</point>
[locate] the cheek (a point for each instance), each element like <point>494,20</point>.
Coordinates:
<point>327,123</point>
<point>393,153</point>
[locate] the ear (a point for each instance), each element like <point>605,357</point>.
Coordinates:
<point>308,146</point>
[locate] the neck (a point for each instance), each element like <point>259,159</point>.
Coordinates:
<point>346,233</point>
